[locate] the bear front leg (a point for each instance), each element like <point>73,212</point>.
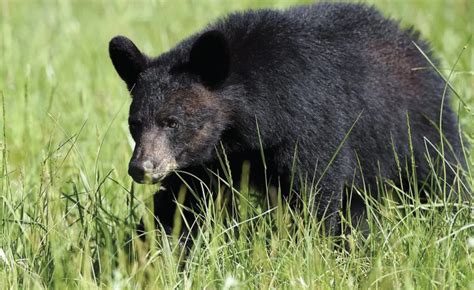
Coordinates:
<point>328,206</point>
<point>167,212</point>
<point>164,210</point>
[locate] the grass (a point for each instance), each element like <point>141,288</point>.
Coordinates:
<point>68,208</point>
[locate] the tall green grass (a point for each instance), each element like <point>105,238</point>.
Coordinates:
<point>68,209</point>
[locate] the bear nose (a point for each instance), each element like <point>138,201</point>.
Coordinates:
<point>137,169</point>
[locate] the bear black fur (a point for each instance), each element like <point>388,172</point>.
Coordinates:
<point>317,80</point>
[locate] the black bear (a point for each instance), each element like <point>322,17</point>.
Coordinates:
<point>335,92</point>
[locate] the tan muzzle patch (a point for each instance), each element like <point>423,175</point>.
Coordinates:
<point>157,156</point>
<point>154,175</point>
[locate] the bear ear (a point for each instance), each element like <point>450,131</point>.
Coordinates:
<point>127,59</point>
<point>210,58</point>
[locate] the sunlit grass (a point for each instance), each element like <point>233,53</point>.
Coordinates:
<point>68,210</point>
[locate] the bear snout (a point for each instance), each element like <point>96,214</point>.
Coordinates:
<point>136,170</point>
<point>149,172</point>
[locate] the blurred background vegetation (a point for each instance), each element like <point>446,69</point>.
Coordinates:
<point>65,133</point>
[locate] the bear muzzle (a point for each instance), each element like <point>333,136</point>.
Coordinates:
<point>153,158</point>
<point>148,172</point>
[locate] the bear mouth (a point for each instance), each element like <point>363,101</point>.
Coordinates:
<point>155,176</point>
<point>151,178</point>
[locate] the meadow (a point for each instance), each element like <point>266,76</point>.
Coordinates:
<point>68,208</point>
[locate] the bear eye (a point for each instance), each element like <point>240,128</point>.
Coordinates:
<point>170,123</point>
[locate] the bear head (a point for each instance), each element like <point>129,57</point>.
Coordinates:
<point>177,115</point>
